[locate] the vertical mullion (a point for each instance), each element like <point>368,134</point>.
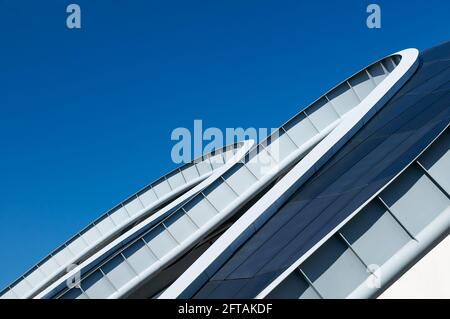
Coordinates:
<point>310,283</point>
<point>427,173</point>
<point>388,209</point>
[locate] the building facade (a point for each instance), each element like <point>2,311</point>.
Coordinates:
<point>348,199</point>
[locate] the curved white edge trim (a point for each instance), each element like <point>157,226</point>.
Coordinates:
<point>238,156</point>
<point>212,259</point>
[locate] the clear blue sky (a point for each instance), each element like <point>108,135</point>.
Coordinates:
<point>86,115</point>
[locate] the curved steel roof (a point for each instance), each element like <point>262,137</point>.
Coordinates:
<point>381,149</point>
<point>338,153</point>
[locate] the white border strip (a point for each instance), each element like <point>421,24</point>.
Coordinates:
<point>212,259</point>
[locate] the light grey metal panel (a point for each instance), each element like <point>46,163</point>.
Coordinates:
<point>134,206</point>
<point>120,216</point>
<point>437,161</point>
<point>190,173</point>
<point>139,256</point>
<point>414,199</point>
<point>35,277</point>
<point>309,293</point>
<point>97,286</point>
<point>92,235</point>
<point>180,226</point>
<point>105,225</point>
<point>63,256</point>
<point>228,155</point>
<point>162,188</point>
<point>221,195</point>
<point>281,147</point>
<point>260,163</point>
<point>200,210</point>
<point>377,72</point>
<point>21,288</point>
<point>118,271</point>
<point>176,180</point>
<point>9,295</point>
<point>216,161</point>
<point>374,234</point>
<point>343,98</point>
<point>148,197</point>
<point>240,178</point>
<point>82,296</point>
<point>334,269</point>
<point>49,266</point>
<point>300,129</point>
<point>322,113</point>
<point>362,84</point>
<point>204,167</point>
<point>160,241</point>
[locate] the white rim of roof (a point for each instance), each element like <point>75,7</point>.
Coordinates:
<point>143,202</point>
<point>211,260</point>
